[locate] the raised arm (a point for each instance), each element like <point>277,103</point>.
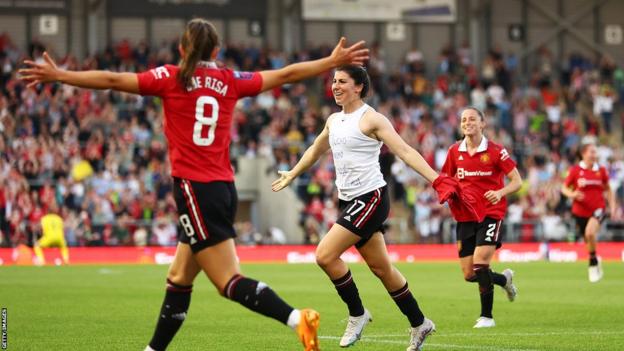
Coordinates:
<point>381,128</point>
<point>48,71</point>
<point>310,156</point>
<point>341,55</point>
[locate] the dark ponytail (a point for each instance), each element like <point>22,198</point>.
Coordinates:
<point>198,41</point>
<point>359,76</point>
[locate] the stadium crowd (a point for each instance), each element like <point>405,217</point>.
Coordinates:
<point>99,157</point>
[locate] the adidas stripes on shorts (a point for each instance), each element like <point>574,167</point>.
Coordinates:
<point>206,212</point>
<point>365,215</point>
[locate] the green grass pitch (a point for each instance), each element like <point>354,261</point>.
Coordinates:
<point>115,308</point>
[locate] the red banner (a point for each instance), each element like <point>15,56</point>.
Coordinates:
<point>526,252</point>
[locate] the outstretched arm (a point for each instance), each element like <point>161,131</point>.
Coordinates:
<point>48,71</point>
<point>310,156</point>
<point>341,55</point>
<point>383,130</point>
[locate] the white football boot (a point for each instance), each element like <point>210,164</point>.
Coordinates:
<point>595,272</point>
<point>509,287</point>
<point>419,334</point>
<point>355,326</point>
<point>485,322</point>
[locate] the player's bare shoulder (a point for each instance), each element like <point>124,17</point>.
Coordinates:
<point>372,115</point>
<point>372,121</point>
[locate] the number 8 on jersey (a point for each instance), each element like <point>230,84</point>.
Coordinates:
<point>202,120</point>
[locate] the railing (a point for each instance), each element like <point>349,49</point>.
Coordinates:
<point>523,231</point>
<point>400,232</point>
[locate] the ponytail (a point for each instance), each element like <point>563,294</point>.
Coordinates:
<point>199,40</point>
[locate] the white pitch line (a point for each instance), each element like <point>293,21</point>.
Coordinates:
<point>430,344</point>
<point>438,334</point>
<point>107,271</point>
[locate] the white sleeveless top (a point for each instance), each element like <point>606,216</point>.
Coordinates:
<point>356,155</point>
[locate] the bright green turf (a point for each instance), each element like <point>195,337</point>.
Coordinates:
<point>115,308</point>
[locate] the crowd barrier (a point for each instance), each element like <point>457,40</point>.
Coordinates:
<point>513,252</point>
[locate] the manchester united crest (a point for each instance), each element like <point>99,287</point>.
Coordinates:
<point>485,158</point>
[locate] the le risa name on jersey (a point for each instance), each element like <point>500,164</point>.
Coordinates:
<point>197,82</point>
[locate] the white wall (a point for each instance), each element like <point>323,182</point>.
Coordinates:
<point>279,209</point>
<point>15,26</point>
<point>133,29</point>
<point>166,29</point>
<point>56,43</point>
<point>239,33</point>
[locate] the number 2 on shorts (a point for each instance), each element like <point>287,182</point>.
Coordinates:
<point>489,234</point>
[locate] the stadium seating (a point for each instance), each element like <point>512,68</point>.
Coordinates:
<point>102,155</point>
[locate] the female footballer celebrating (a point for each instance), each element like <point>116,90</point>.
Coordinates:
<point>586,184</point>
<point>355,136</point>
<point>481,165</point>
<point>198,101</point>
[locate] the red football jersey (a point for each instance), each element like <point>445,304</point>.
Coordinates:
<point>481,172</point>
<point>198,118</point>
<point>593,183</point>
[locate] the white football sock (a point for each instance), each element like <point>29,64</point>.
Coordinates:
<point>294,319</point>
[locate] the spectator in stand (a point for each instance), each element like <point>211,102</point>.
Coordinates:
<point>56,134</point>
<point>202,170</point>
